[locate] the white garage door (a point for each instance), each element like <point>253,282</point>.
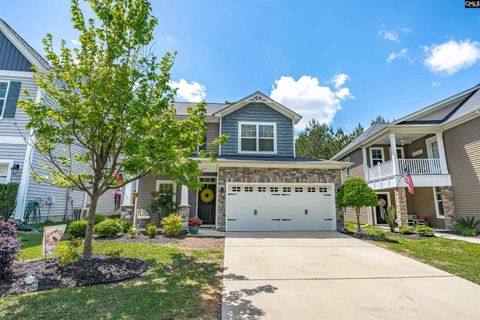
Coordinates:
<point>280,207</point>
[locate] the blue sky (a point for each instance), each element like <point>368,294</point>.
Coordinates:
<point>341,62</point>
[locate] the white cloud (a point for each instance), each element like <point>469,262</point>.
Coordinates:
<point>169,38</point>
<point>76,42</point>
<point>339,79</point>
<point>452,56</point>
<point>388,34</point>
<point>402,54</point>
<point>407,30</point>
<point>191,92</point>
<point>436,84</point>
<point>310,99</point>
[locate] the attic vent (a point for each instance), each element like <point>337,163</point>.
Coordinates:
<point>257,98</point>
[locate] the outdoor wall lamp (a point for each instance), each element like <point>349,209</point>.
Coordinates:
<point>15,169</point>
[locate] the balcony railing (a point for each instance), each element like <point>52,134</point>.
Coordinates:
<point>414,166</point>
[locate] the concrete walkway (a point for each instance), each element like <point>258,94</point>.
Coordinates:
<point>457,237</point>
<point>332,276</point>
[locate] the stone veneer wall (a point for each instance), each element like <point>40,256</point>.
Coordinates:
<point>401,206</point>
<point>448,206</point>
<point>274,175</point>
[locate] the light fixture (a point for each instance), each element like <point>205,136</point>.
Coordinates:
<point>15,169</point>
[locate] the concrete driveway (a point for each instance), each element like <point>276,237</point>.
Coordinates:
<point>327,275</point>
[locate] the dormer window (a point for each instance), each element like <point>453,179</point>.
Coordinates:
<point>257,137</point>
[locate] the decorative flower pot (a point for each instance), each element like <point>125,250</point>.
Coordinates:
<point>193,230</point>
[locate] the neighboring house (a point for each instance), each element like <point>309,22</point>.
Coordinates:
<point>439,146</point>
<point>256,183</point>
<point>16,155</point>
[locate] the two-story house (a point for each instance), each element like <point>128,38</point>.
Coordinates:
<point>439,146</point>
<point>17,158</point>
<point>256,183</point>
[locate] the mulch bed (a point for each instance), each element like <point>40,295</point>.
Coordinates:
<point>142,238</point>
<point>50,275</point>
<point>413,236</point>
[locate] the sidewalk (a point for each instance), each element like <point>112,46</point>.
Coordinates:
<point>457,237</point>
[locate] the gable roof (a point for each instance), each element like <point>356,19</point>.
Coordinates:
<point>182,107</point>
<point>357,142</point>
<point>260,97</point>
<point>27,51</point>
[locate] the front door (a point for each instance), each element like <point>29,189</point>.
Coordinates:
<point>380,209</point>
<point>206,203</point>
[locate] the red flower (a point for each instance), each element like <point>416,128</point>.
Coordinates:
<point>192,222</point>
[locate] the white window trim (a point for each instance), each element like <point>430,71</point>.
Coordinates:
<point>274,124</point>
<point>428,142</point>
<point>402,152</point>
<point>157,185</point>
<point>4,100</point>
<point>371,155</point>
<point>9,169</point>
<point>437,210</point>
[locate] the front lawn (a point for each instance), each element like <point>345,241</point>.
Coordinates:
<point>182,283</point>
<point>457,257</point>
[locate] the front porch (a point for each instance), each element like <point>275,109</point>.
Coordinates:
<point>433,206</point>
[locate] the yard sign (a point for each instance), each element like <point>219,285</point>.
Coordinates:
<point>51,237</point>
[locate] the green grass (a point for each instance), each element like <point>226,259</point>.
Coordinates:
<point>352,227</point>
<point>181,284</point>
<point>457,257</point>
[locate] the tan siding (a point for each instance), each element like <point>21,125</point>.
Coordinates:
<point>422,204</point>
<point>462,146</point>
<point>416,145</point>
<point>356,170</point>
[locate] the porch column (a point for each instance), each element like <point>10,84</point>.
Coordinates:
<point>448,206</point>
<point>401,206</point>
<point>393,156</point>
<point>184,207</point>
<point>441,151</point>
<point>365,164</point>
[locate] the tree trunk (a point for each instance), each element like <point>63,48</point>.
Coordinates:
<point>357,211</point>
<point>87,245</point>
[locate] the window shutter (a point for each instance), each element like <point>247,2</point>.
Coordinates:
<point>12,99</point>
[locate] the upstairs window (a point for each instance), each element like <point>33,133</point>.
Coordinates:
<point>376,156</point>
<point>3,97</point>
<point>257,137</point>
<point>5,169</point>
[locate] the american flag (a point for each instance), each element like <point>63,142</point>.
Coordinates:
<point>408,180</point>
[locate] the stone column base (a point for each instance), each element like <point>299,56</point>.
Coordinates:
<point>184,212</point>
<point>448,206</point>
<point>401,206</point>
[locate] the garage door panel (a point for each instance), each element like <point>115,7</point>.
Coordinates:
<point>280,207</point>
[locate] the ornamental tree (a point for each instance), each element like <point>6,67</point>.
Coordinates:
<point>356,193</point>
<point>112,107</point>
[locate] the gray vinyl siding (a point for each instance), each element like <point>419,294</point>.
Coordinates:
<point>462,146</point>
<point>16,126</point>
<point>11,58</point>
<point>15,152</point>
<point>212,134</point>
<point>258,112</point>
<point>105,204</point>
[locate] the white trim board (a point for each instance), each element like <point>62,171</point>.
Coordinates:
<point>371,157</point>
<point>9,164</point>
<point>12,139</point>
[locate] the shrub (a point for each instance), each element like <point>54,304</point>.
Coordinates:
<point>407,229</point>
<point>466,226</point>
<point>126,225</point>
<point>390,215</point>
<point>69,252</point>
<point>108,228</point>
<point>9,246</point>
<point>98,218</point>
<point>7,228</point>
<point>132,232</point>
<point>78,228</point>
<point>8,198</point>
<point>172,225</point>
<point>115,216</point>
<point>113,253</point>
<point>380,235</point>
<point>424,230</point>
<point>151,230</point>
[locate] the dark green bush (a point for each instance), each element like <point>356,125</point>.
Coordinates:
<point>113,253</point>
<point>108,228</point>
<point>466,226</point>
<point>406,229</point>
<point>8,198</point>
<point>78,228</point>
<point>424,230</point>
<point>126,225</point>
<point>151,230</point>
<point>99,218</point>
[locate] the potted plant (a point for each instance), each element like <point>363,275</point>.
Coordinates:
<point>193,225</point>
<point>427,220</point>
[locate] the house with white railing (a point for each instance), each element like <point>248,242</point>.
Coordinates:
<point>438,146</point>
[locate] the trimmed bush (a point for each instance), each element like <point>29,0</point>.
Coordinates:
<point>8,198</point>
<point>132,232</point>
<point>151,230</point>
<point>406,229</point>
<point>98,218</point>
<point>126,225</point>
<point>424,230</point>
<point>108,228</point>
<point>69,252</point>
<point>9,246</point>
<point>172,225</point>
<point>78,228</point>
